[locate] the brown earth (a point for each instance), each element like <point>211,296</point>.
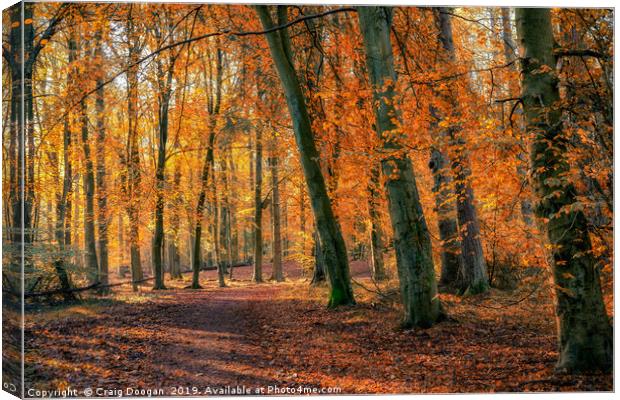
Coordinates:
<point>281,335</point>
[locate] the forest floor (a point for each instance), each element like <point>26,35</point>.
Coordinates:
<point>281,336</point>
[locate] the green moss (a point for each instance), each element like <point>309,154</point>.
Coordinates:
<point>338,297</point>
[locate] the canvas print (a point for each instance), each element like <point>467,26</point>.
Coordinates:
<point>247,199</point>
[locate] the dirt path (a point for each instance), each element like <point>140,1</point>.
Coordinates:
<point>266,336</point>
<point>178,339</point>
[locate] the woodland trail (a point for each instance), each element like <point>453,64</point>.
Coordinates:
<point>281,335</point>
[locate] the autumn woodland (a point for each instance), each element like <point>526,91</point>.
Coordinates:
<point>220,198</point>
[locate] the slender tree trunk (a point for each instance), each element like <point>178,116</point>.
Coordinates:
<point>88,179</point>
<point>215,88</point>
<point>219,264</point>
<point>102,203</point>
<point>331,240</point>
<point>121,244</point>
<point>585,333</point>
<point>412,241</point>
<point>509,55</point>
<point>232,216</point>
<point>160,177</point>
<point>132,157</point>
<point>225,226</point>
<point>173,242</point>
<point>197,254</point>
<point>276,268</point>
<point>258,209</point>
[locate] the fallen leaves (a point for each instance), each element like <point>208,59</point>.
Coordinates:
<point>261,335</point>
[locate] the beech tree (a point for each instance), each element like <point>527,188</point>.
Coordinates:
<point>412,241</point>
<point>331,241</point>
<point>585,334</point>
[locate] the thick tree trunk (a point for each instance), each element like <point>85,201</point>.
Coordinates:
<point>258,208</point>
<point>331,240</point>
<point>88,180</point>
<point>102,203</point>
<point>276,267</point>
<point>585,332</point>
<point>29,141</point>
<point>21,142</point>
<point>473,276</point>
<point>412,241</point>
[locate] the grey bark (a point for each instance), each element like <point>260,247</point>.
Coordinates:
<point>412,241</point>
<point>584,330</point>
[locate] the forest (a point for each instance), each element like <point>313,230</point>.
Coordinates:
<point>299,199</point>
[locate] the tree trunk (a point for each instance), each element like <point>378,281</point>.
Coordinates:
<point>376,232</point>
<point>132,156</point>
<point>197,254</point>
<point>102,214</point>
<point>509,55</point>
<point>585,333</point>
<point>21,157</point>
<point>331,240</point>
<point>473,276</point>
<point>160,173</point>
<point>174,258</point>
<point>276,267</point>
<point>412,241</point>
<point>215,89</point>
<point>225,226</point>
<point>88,179</point>
<point>451,256</point>
<point>318,274</point>
<point>219,264</point>
<point>258,208</point>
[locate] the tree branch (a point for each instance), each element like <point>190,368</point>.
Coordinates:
<point>580,53</point>
<point>226,32</point>
<point>49,31</point>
